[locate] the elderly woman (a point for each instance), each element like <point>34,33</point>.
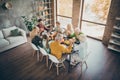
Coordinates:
<point>80,35</point>
<point>80,46</point>
<point>69,30</point>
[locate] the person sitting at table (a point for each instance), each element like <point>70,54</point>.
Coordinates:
<point>69,30</point>
<point>35,38</point>
<point>50,29</point>
<point>80,35</point>
<point>57,49</point>
<point>57,30</point>
<point>34,32</point>
<point>45,43</point>
<point>41,26</point>
<point>81,47</point>
<point>58,27</point>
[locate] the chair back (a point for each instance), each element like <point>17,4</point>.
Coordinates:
<point>43,51</point>
<point>33,46</point>
<point>50,42</point>
<point>86,56</point>
<point>53,58</point>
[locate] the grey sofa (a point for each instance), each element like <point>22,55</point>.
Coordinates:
<point>7,41</point>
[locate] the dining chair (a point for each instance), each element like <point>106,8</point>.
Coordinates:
<point>84,59</point>
<point>44,53</point>
<point>35,50</point>
<point>58,63</point>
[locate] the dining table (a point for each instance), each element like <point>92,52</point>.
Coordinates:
<point>79,49</point>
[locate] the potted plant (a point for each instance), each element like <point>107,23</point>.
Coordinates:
<point>30,23</point>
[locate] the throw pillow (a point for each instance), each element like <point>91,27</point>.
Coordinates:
<point>15,32</point>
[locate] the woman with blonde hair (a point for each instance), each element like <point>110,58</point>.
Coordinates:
<point>69,30</point>
<point>34,32</point>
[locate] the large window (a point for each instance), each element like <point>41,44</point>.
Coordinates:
<point>64,12</point>
<point>94,17</point>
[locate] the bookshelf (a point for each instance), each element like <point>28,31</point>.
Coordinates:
<point>43,9</point>
<point>114,42</point>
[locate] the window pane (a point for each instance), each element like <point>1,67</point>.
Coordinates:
<point>96,10</point>
<point>64,21</point>
<point>64,7</point>
<point>93,30</point>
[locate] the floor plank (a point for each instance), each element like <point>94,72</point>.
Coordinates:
<point>19,64</point>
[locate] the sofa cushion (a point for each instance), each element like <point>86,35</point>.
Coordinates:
<point>15,32</point>
<point>14,39</point>
<point>1,35</point>
<point>7,31</point>
<point>3,43</point>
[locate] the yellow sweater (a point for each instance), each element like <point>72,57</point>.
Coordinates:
<point>58,49</point>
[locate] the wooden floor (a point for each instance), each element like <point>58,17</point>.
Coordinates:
<point>19,64</point>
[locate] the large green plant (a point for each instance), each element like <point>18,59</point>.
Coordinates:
<point>30,23</point>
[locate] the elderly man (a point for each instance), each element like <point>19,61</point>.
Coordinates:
<point>57,49</point>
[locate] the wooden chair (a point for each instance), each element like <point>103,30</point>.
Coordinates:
<point>56,62</point>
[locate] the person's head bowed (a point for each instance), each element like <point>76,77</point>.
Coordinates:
<point>58,37</point>
<point>77,31</point>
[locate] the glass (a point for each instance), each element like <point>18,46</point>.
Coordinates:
<point>64,7</point>
<point>96,10</point>
<point>93,30</point>
<point>64,21</point>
